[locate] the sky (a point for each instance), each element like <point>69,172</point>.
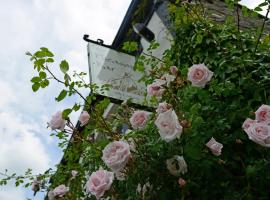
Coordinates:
<point>59,25</point>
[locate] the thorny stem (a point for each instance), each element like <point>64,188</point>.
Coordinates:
<point>261,32</point>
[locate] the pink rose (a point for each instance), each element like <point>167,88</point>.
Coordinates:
<point>214,146</point>
<point>163,107</point>
<point>263,114</point>
<point>247,123</point>
<point>176,165</point>
<point>199,75</point>
<point>139,119</point>
<point>116,155</point>
<point>168,125</point>
<point>156,88</point>
<point>57,122</point>
<point>182,183</point>
<point>84,118</point>
<point>35,185</point>
<point>99,182</point>
<point>260,133</point>
<point>60,191</point>
<point>174,70</point>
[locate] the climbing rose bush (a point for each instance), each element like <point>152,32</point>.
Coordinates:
<point>202,137</point>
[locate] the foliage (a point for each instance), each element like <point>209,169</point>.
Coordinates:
<point>240,84</point>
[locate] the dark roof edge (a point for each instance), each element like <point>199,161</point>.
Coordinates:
<point>125,23</point>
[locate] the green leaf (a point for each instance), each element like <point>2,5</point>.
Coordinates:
<point>49,60</point>
<point>39,62</point>
<point>130,46</point>
<point>40,54</point>
<point>35,79</point>
<point>199,39</point>
<point>66,113</point>
<point>64,66</point>
<point>76,107</point>
<point>42,75</point>
<point>61,96</point>
<point>35,87</point>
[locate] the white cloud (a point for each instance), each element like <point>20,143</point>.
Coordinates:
<point>20,147</point>
<point>11,193</point>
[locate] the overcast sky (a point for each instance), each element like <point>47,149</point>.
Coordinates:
<point>27,25</point>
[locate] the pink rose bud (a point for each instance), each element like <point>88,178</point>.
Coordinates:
<point>60,191</point>
<point>156,88</point>
<point>184,123</point>
<point>163,107</point>
<point>116,155</point>
<point>139,119</point>
<point>199,75</point>
<point>182,183</point>
<point>238,141</point>
<point>214,146</point>
<point>247,123</point>
<point>168,125</point>
<point>84,118</point>
<point>263,114</point>
<point>99,182</point>
<point>174,70</point>
<point>260,133</point>
<point>57,122</point>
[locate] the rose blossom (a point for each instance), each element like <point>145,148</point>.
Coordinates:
<point>60,191</point>
<point>181,182</point>
<point>199,75</point>
<point>168,125</point>
<point>116,155</point>
<point>176,165</point>
<point>263,114</point>
<point>214,146</point>
<point>57,122</point>
<point>163,107</point>
<point>174,70</point>
<point>247,123</point>
<point>260,133</point>
<point>84,118</point>
<point>156,89</point>
<point>139,119</point>
<point>99,182</point>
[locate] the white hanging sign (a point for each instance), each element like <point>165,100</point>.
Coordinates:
<point>108,66</point>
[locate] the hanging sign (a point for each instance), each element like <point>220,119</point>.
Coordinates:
<point>108,66</point>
